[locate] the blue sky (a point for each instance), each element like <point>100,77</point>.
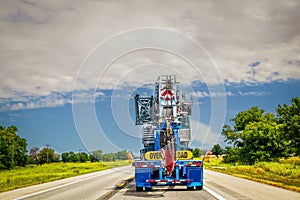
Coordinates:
<point>55,125</point>
<point>69,70</point>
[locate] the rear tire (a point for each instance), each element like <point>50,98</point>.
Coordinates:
<point>190,188</point>
<point>199,187</point>
<point>139,189</point>
<point>148,189</point>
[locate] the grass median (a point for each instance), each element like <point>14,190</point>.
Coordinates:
<point>35,174</point>
<point>284,174</point>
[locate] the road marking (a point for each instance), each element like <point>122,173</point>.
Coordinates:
<point>227,191</point>
<point>60,186</point>
<point>219,197</point>
<point>115,190</point>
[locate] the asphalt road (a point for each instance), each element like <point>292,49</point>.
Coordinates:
<point>231,187</point>
<point>94,185</point>
<point>165,193</point>
<point>88,186</point>
<point>216,186</point>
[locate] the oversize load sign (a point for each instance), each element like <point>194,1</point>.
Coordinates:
<point>180,155</point>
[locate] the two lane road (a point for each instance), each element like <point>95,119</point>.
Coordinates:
<point>94,185</point>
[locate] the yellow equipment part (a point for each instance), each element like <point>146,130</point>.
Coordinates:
<point>180,155</point>
<point>153,155</point>
<point>184,155</point>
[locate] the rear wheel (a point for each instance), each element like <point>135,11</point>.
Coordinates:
<point>148,189</point>
<point>190,188</point>
<point>139,189</point>
<point>199,187</point>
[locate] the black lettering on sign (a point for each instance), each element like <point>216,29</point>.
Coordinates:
<point>182,154</point>
<point>159,156</point>
<point>155,156</point>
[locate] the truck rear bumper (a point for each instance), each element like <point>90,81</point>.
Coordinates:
<point>189,173</point>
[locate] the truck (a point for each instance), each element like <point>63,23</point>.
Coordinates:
<point>166,159</point>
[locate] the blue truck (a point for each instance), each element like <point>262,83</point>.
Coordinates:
<point>166,158</point>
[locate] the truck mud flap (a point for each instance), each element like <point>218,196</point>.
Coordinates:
<point>196,175</point>
<point>141,177</point>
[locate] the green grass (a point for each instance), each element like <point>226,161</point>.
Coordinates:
<point>284,174</point>
<point>35,174</point>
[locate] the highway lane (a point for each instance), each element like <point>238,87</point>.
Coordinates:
<point>163,193</point>
<point>216,186</point>
<point>237,188</point>
<point>88,186</point>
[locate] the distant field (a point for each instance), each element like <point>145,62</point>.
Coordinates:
<point>35,174</point>
<point>284,174</point>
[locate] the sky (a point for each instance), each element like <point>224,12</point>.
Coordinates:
<point>70,69</point>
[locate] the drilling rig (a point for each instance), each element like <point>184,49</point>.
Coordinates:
<point>166,158</point>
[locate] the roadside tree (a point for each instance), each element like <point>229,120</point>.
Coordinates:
<point>122,155</point>
<point>196,153</point>
<point>289,118</point>
<point>73,157</point>
<point>255,137</point>
<point>82,157</point>
<point>263,141</point>
<point>217,150</point>
<point>96,155</point>
<point>65,157</point>
<point>34,154</point>
<point>46,155</point>
<point>12,148</point>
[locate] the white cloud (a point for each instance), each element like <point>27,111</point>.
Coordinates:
<point>252,93</point>
<point>33,102</point>
<point>204,94</point>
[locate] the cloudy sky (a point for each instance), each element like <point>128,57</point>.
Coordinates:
<point>68,67</point>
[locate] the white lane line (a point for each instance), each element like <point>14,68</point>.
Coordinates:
<point>219,197</point>
<point>60,186</point>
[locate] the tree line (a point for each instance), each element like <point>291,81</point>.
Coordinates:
<point>216,150</point>
<point>48,155</point>
<point>13,152</point>
<point>94,156</point>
